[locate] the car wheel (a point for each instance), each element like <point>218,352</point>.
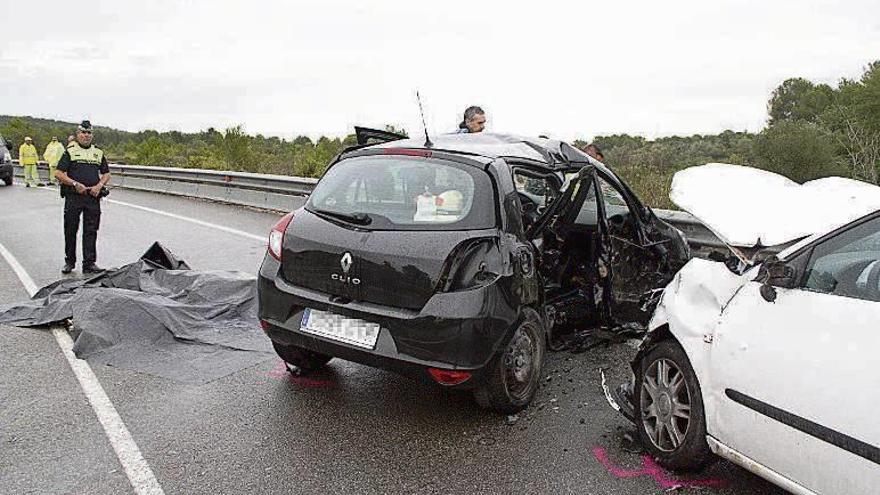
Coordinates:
<point>514,375</point>
<point>669,409</point>
<point>8,181</point>
<point>303,360</point>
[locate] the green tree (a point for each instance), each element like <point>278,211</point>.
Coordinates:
<point>303,141</point>
<point>235,149</point>
<point>799,150</point>
<point>14,131</point>
<point>396,130</point>
<point>799,99</point>
<point>866,98</point>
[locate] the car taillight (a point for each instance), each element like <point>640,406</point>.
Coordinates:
<point>276,236</point>
<point>449,377</point>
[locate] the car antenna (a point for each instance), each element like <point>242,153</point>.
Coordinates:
<point>428,143</point>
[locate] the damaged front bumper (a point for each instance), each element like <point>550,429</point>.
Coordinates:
<point>621,398</point>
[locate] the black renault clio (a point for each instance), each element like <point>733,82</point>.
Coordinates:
<point>457,261</point>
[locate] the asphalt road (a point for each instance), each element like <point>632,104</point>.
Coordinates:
<point>350,429</point>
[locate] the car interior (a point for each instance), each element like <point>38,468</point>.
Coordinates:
<point>574,259</point>
<point>402,194</point>
<point>848,264</point>
<point>854,274</point>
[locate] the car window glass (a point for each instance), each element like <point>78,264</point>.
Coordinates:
<point>403,192</point>
<point>588,216</point>
<point>848,264</point>
<point>615,204</point>
<point>537,189</point>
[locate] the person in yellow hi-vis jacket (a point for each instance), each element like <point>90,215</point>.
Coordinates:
<point>53,153</point>
<point>27,156</point>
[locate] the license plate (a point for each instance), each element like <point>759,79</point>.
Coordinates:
<point>352,331</point>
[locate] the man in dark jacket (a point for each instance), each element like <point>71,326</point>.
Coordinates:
<point>474,121</point>
<point>83,172</point>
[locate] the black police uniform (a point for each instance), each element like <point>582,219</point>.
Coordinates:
<point>84,165</point>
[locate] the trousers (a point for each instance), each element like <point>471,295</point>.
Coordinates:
<point>52,168</point>
<point>31,176</point>
<point>76,205</point>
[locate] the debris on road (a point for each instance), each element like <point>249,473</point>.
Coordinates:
<point>155,316</point>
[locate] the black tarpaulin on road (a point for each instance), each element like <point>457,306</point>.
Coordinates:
<point>155,316</point>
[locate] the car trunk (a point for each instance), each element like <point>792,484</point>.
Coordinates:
<point>398,268</point>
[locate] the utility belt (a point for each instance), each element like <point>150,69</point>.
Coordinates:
<point>71,191</point>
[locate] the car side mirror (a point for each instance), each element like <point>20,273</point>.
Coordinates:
<point>9,146</point>
<point>776,273</point>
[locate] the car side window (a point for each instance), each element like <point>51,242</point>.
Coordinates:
<point>617,212</point>
<point>589,212</point>
<point>847,264</point>
<point>615,204</point>
<point>616,209</point>
<point>534,188</point>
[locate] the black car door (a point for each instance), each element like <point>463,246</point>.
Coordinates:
<point>636,265</point>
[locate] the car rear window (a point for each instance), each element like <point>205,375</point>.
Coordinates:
<point>406,193</point>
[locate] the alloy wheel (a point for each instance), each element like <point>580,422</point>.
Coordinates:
<point>665,405</point>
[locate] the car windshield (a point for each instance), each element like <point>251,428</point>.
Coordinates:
<point>405,193</point>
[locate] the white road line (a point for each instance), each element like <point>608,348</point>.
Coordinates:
<point>136,468</point>
<point>214,226</point>
<point>210,225</point>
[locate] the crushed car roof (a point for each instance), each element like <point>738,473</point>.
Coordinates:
<point>748,207</point>
<point>492,145</point>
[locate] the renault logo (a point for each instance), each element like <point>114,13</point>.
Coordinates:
<point>345,262</point>
<point>344,278</point>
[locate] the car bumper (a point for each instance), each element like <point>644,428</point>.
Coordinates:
<point>454,331</point>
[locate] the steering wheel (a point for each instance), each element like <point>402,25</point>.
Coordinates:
<point>617,224</point>
<point>529,209</point>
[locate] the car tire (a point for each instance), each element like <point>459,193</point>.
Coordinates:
<point>303,360</point>
<point>8,181</point>
<point>671,421</point>
<point>513,376</point>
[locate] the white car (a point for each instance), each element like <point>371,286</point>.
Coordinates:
<point>772,365</point>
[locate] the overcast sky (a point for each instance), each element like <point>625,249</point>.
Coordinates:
<point>566,69</point>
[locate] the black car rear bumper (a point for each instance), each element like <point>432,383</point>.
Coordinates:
<point>460,331</point>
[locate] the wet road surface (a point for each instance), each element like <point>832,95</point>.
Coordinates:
<point>349,429</point>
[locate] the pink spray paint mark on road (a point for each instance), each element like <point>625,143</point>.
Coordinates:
<point>651,469</point>
<point>280,372</point>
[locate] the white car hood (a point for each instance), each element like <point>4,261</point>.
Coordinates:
<point>748,207</point>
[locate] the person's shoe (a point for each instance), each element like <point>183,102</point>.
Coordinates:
<point>40,184</point>
<point>93,269</point>
<point>68,267</point>
<point>27,185</point>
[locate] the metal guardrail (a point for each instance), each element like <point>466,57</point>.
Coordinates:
<point>271,192</point>
<point>284,193</point>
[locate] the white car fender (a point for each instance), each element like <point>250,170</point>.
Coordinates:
<point>691,308</point>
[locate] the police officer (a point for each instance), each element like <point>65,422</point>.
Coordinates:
<point>53,153</point>
<point>83,172</point>
<point>28,157</point>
